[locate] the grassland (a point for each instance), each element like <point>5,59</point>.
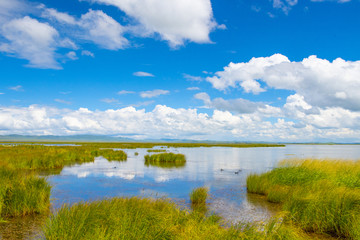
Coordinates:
<point>320,196</point>
<point>22,191</point>
<point>134,218</point>
<point>166,160</point>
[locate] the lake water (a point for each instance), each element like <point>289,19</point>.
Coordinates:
<point>222,170</point>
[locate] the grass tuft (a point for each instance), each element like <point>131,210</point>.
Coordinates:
<point>321,196</point>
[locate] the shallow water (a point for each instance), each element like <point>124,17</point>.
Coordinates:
<point>222,170</point>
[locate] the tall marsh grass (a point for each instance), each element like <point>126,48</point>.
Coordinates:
<point>22,194</point>
<point>321,196</point>
<point>134,218</point>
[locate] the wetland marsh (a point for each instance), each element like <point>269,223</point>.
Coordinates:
<point>222,170</point>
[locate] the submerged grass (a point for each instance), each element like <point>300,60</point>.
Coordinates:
<point>321,196</point>
<point>134,218</point>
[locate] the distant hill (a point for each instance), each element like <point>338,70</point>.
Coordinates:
<point>72,138</point>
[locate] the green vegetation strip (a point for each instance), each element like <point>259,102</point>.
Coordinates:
<point>133,145</point>
<point>321,196</point>
<point>156,150</point>
<point>134,218</point>
<point>22,191</point>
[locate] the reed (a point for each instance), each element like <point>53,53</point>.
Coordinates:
<point>135,218</point>
<point>321,196</point>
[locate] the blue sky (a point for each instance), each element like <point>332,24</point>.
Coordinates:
<point>273,70</point>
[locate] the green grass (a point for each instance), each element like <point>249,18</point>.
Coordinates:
<point>22,192</point>
<point>321,196</point>
<point>33,157</point>
<point>165,160</point>
<point>134,218</point>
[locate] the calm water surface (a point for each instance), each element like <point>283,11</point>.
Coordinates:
<point>222,170</point>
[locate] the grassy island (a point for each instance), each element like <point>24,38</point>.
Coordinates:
<point>166,160</point>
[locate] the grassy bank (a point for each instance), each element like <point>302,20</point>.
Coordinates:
<point>22,192</point>
<point>166,160</point>
<point>321,196</point>
<point>135,218</point>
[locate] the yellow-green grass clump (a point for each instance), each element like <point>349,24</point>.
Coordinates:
<point>199,195</point>
<point>198,198</point>
<point>22,194</point>
<point>111,155</point>
<point>165,160</point>
<point>134,218</point>
<point>321,196</point>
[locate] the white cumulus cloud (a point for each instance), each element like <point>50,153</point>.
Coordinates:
<point>29,39</point>
<point>166,122</point>
<point>321,82</point>
<point>103,30</point>
<point>176,21</point>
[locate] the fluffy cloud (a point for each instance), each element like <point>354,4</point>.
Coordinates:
<point>59,16</point>
<point>29,39</point>
<point>103,30</point>
<point>322,83</point>
<point>168,122</point>
<point>175,21</point>
<point>153,93</point>
<point>95,26</point>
